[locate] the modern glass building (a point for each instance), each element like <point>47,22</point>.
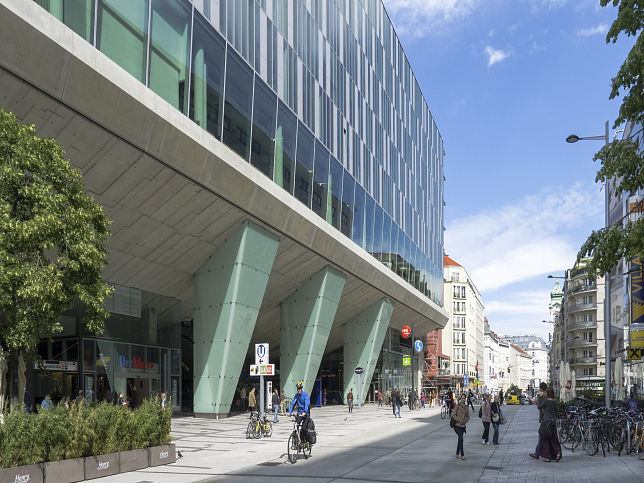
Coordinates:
<point>319,96</point>
<point>289,136</point>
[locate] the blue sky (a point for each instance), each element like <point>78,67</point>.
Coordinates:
<point>507,81</point>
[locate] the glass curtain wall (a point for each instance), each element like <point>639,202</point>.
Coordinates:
<point>384,196</point>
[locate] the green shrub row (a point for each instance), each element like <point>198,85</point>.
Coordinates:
<point>80,430</point>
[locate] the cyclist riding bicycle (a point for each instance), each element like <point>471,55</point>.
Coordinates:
<point>303,402</point>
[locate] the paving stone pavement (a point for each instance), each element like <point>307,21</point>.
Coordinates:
<point>371,445</point>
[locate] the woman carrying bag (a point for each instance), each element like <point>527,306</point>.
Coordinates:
<point>459,419</point>
<point>549,447</point>
<point>496,418</point>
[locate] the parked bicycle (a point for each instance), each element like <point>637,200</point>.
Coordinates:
<point>258,427</point>
<point>297,443</point>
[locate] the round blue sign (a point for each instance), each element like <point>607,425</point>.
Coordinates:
<point>418,345</point>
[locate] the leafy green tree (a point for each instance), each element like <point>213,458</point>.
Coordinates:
<point>53,240</point>
<point>622,160</point>
<point>514,390</point>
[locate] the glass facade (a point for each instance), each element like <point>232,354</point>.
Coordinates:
<point>104,365</point>
<point>317,95</point>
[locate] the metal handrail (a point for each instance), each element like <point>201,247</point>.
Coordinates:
<point>582,343</point>
<point>578,307</point>
<point>582,324</point>
<point>584,360</point>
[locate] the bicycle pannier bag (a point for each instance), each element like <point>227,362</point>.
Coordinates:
<point>311,435</point>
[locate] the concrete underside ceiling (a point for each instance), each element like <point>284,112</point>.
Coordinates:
<point>168,218</point>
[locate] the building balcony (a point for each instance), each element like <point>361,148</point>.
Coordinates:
<point>444,372</point>
<point>579,307</point>
<point>582,325</point>
<point>582,343</point>
<point>583,360</point>
<point>580,287</point>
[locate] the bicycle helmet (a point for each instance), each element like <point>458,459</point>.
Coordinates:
<point>299,385</point>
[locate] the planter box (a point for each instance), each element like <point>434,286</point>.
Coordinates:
<point>22,474</point>
<point>103,465</point>
<point>162,455</point>
<point>65,471</point>
<point>136,459</point>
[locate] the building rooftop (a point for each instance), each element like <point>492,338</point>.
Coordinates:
<point>448,261</point>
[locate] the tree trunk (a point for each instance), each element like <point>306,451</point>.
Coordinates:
<point>13,379</point>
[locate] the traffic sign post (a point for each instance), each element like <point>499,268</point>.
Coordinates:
<point>405,332</point>
<point>634,354</point>
<point>418,345</point>
<point>359,371</point>
<point>261,360</point>
<point>406,360</point>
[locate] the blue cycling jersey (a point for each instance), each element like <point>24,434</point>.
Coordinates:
<point>303,402</point>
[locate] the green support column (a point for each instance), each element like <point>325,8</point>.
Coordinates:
<point>363,338</point>
<point>229,289</point>
<point>306,319</point>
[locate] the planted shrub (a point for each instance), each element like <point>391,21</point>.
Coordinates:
<point>80,430</point>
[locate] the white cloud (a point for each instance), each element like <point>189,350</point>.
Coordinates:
<point>495,55</point>
<point>600,29</point>
<point>523,239</point>
<point>418,18</point>
<point>530,303</point>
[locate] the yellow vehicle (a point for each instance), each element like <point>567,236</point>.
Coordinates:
<point>513,400</point>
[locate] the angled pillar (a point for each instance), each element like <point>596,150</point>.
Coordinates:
<point>363,338</point>
<point>306,319</point>
<point>229,288</point>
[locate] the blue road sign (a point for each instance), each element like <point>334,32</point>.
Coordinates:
<point>465,379</point>
<point>418,345</point>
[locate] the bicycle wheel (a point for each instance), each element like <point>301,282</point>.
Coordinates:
<point>306,449</point>
<point>591,443</point>
<point>268,429</point>
<point>616,437</point>
<point>292,448</point>
<point>564,429</point>
<point>443,412</point>
<point>250,430</point>
<point>257,430</point>
<point>575,438</point>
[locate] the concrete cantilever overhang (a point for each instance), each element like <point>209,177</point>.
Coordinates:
<point>173,191</point>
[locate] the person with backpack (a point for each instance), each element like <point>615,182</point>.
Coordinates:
<point>458,421</point>
<point>485,413</point>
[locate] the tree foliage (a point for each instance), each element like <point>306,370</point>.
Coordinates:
<point>622,160</point>
<point>52,239</point>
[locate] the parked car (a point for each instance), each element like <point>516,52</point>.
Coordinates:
<point>513,400</point>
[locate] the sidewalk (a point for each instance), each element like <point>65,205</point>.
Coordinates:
<point>371,445</point>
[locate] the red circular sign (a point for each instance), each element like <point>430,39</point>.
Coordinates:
<point>405,331</point>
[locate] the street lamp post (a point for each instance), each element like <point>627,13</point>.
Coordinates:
<point>573,138</point>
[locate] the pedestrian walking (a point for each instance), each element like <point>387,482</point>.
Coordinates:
<point>134,397</point>
<point>422,399</point>
<point>540,397</point>
<point>486,418</point>
<point>350,399</point>
<point>549,446</point>
<point>121,399</point>
<point>163,401</point>
<point>449,397</point>
<point>388,402</point>
<point>283,403</point>
<point>501,397</point>
<point>242,399</point>
<point>410,400</point>
<point>396,402</point>
<point>495,418</point>
<point>470,399</point>
<point>379,399</point>
<point>252,400</point>
<point>461,416</point>
<point>275,402</point>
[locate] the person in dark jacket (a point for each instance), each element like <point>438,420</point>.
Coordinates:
<point>549,447</point>
<point>495,418</point>
<point>540,397</point>
<point>134,398</point>
<point>275,401</point>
